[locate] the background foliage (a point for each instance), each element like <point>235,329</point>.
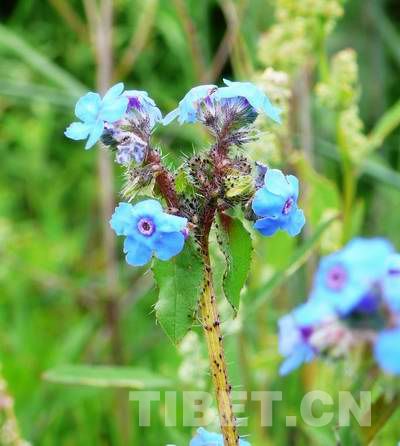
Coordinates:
<point>56,303</point>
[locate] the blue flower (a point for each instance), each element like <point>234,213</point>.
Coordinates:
<point>204,438</point>
<point>188,106</point>
<point>391,283</point>
<point>94,112</point>
<point>276,203</point>
<point>148,231</point>
<point>295,331</point>
<point>254,95</point>
<point>140,101</point>
<point>248,93</point>
<point>387,350</point>
<point>344,278</point>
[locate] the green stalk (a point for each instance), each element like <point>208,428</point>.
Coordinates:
<point>212,332</point>
<point>350,175</point>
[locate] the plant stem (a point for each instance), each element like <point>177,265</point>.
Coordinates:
<point>9,428</point>
<point>212,331</point>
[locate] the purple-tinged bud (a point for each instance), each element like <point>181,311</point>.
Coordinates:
<point>261,170</point>
<point>185,232</point>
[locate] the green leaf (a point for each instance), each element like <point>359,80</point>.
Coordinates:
<point>180,282</point>
<point>105,376</point>
<point>380,413</point>
<point>386,125</point>
<point>236,245</point>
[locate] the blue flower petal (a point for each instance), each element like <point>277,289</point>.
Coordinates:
<point>77,131</point>
<point>121,220</point>
<point>113,92</point>
<point>88,107</point>
<point>205,438</point>
<point>147,208</point>
<point>277,183</point>
<point>168,245</point>
<point>170,223</point>
<point>266,204</point>
<point>142,95</point>
<point>312,312</point>
<point>114,110</point>
<point>294,222</point>
<point>170,116</point>
<point>271,111</point>
<point>368,257</point>
<point>187,109</point>
<point>289,334</point>
<point>267,226</point>
<point>387,351</point>
<point>391,283</point>
<point>137,254</point>
<point>302,354</point>
<point>95,134</point>
<point>256,97</point>
<point>294,184</point>
<point>145,104</point>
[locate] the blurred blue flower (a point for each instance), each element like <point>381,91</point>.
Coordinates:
<point>140,101</point>
<point>387,350</point>
<point>295,330</point>
<point>254,95</point>
<point>188,106</point>
<point>204,438</point>
<point>391,283</point>
<point>148,231</point>
<point>94,111</point>
<point>344,278</point>
<point>293,345</point>
<point>276,203</point>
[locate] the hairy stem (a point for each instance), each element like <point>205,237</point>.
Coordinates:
<point>212,331</point>
<point>164,179</point>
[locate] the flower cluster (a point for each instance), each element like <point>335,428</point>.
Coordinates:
<point>355,300</point>
<point>204,438</point>
<point>295,36</point>
<point>340,93</point>
<point>205,184</point>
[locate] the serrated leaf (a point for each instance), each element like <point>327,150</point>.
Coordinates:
<point>106,376</point>
<point>236,245</point>
<point>180,281</point>
<point>183,184</point>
